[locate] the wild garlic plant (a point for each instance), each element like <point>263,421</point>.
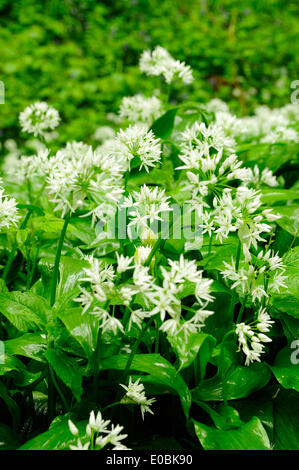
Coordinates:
<point>110,293</point>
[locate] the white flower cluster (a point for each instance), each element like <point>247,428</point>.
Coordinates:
<point>206,139</point>
<point>252,277</point>
<point>140,109</point>
<point>240,212</point>
<point>141,144</point>
<point>160,62</point>
<point>38,118</point>
<point>8,210</point>
<point>257,178</point>
<point>135,394</point>
<point>251,337</point>
<point>98,435</point>
<point>146,206</point>
<point>87,181</point>
<point>101,284</point>
<point>266,125</point>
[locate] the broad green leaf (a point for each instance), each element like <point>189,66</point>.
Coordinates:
<point>289,220</point>
<point>224,417</point>
<point>287,300</point>
<point>286,303</point>
<point>188,348</point>
<point>274,195</point>
<point>159,369</point>
<point>22,377</point>
<point>67,370</point>
<point>259,405</point>
<point>163,126</point>
<point>9,363</point>
<point>219,254</point>
<point>240,382</point>
<point>25,310</point>
<point>30,345</point>
<point>249,436</point>
<point>286,372</point>
<point>58,437</point>
<point>291,261</point>
<point>83,328</point>
<point>70,269</point>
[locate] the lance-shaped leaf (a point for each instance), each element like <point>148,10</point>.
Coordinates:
<point>67,370</point>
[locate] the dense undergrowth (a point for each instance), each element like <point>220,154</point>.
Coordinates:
<point>152,281</point>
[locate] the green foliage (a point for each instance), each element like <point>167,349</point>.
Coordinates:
<point>58,359</point>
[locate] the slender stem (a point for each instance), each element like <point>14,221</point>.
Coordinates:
<point>57,260</point>
<point>112,405</point>
<point>51,374</point>
<point>224,372</point>
<point>234,295</point>
<point>14,248</point>
<point>51,395</point>
<point>58,388</point>
<point>159,244</point>
<point>96,364</point>
<point>135,347</point>
<point>239,318</point>
<point>210,243</point>
<point>238,255</point>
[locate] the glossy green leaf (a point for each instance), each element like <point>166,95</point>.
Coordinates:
<point>163,126</point>
<point>274,195</point>
<point>66,369</point>
<point>188,348</point>
<point>249,436</point>
<point>30,345</point>
<point>58,437</point>
<point>25,310</point>
<point>241,382</point>
<point>286,368</point>
<point>289,220</point>
<point>83,328</point>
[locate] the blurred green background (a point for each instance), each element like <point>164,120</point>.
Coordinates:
<point>82,56</point>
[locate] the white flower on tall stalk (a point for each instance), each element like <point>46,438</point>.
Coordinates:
<point>8,210</point>
<point>140,109</point>
<point>135,394</point>
<point>160,62</point>
<point>251,337</point>
<point>142,145</point>
<point>38,118</point>
<point>98,435</point>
